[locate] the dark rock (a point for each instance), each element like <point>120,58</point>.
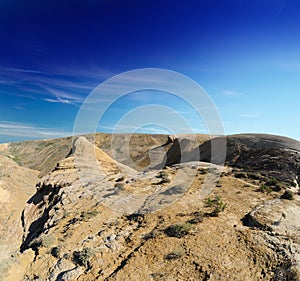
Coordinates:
<point>274,156</point>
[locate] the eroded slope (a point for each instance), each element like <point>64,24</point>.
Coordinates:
<point>79,234</point>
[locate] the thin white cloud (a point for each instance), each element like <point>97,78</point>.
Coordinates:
<point>248,116</point>
<point>63,97</point>
<point>57,101</point>
<point>25,70</point>
<point>231,93</point>
<point>24,130</point>
<point>65,87</point>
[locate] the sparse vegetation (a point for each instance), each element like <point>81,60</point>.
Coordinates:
<point>219,207</point>
<point>254,176</point>
<point>17,160</point>
<point>198,218</point>
<point>46,241</point>
<point>89,214</point>
<point>241,175</point>
<point>272,182</point>
<point>83,257</point>
<point>56,251</point>
<point>164,177</point>
<point>151,235</point>
<point>217,203</point>
<point>210,202</point>
<point>279,186</point>
<point>284,272</point>
<point>288,195</point>
<point>265,189</point>
<point>45,144</point>
<point>173,255</point>
<point>120,186</point>
<point>178,230</point>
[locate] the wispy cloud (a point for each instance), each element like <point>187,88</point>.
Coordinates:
<point>25,70</point>
<point>24,130</point>
<point>67,87</point>
<point>231,93</point>
<point>248,115</point>
<point>63,97</point>
<point>57,100</point>
<point>17,107</point>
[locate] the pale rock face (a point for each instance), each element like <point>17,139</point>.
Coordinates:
<point>64,268</point>
<point>16,186</point>
<point>72,274</point>
<point>279,218</point>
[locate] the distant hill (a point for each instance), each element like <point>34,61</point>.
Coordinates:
<point>274,156</point>
<point>42,155</point>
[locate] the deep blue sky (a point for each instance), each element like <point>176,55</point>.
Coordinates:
<point>244,53</point>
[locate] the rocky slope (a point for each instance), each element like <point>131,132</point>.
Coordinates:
<point>275,156</point>
<point>92,218</point>
<point>17,184</point>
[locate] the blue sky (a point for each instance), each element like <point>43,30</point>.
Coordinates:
<point>244,53</point>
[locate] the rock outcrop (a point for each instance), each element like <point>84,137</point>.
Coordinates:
<point>277,222</point>
<point>274,156</point>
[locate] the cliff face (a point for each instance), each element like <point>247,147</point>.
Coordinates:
<point>94,219</point>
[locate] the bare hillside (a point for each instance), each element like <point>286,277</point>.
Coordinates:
<point>98,215</point>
